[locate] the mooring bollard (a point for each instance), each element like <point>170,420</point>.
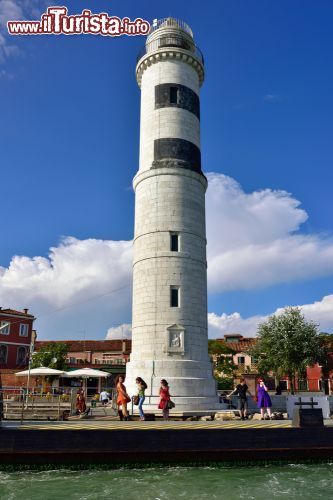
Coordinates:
<point>307,417</point>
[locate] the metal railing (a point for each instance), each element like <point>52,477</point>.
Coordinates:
<point>169,42</point>
<point>170,22</point>
<point>18,405</point>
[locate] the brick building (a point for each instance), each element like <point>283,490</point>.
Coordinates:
<point>99,354</point>
<point>107,355</point>
<point>16,329</point>
<point>16,333</point>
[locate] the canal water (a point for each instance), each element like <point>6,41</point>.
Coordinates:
<point>170,483</point>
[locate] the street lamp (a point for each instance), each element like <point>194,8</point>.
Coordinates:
<point>31,351</point>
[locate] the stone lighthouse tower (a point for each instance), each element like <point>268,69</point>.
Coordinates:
<point>169,321</point>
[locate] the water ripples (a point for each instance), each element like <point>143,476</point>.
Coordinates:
<point>171,483</point>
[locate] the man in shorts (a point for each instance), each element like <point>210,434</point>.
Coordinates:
<point>242,390</point>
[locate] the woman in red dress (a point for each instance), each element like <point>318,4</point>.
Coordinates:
<point>164,398</point>
<point>122,399</point>
<point>81,402</point>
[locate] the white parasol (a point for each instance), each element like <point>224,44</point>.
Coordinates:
<point>87,373</point>
<point>40,372</point>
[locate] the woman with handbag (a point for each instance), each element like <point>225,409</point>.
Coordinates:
<point>122,399</point>
<point>164,399</point>
<point>142,386</point>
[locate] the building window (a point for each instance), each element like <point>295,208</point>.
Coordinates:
<point>5,327</point>
<point>174,296</point>
<point>24,330</point>
<point>174,242</point>
<point>3,354</point>
<point>173,95</point>
<point>241,360</point>
<point>21,358</point>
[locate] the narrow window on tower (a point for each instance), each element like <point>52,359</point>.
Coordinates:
<point>173,95</point>
<point>174,242</point>
<point>174,296</point>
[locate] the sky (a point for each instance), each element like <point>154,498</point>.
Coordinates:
<point>69,146</point>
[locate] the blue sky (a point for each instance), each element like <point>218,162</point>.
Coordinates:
<point>69,137</point>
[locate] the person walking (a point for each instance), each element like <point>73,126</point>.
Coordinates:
<point>264,400</point>
<point>142,386</point>
<point>122,399</point>
<point>242,391</point>
<point>164,399</point>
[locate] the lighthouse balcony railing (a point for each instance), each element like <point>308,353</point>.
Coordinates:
<point>170,22</point>
<point>169,42</point>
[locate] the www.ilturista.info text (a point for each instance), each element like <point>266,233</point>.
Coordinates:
<point>56,21</point>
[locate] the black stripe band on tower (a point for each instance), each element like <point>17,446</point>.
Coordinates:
<point>177,96</point>
<point>172,152</point>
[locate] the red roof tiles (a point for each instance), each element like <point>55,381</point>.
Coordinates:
<point>89,345</point>
<point>16,313</point>
<point>242,345</point>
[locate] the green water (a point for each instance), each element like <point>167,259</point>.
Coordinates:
<point>258,482</point>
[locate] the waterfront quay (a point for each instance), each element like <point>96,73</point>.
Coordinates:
<point>116,443</point>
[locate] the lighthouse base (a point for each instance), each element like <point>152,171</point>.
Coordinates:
<point>191,383</point>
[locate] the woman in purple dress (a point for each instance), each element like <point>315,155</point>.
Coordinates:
<point>264,401</point>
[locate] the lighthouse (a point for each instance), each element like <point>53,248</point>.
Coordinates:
<point>169,321</point>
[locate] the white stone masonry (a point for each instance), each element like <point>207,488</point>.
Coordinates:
<point>170,339</point>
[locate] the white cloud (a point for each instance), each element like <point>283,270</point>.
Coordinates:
<point>82,285</point>
<point>74,271</point>
<point>6,49</point>
<point>15,10</point>
<point>320,312</point>
<point>10,10</point>
<point>253,240</point>
<point>5,75</point>
<point>218,326</point>
<point>123,331</point>
<point>272,98</point>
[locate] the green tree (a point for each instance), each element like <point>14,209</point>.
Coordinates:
<point>326,342</point>
<point>221,356</point>
<point>51,356</point>
<point>286,344</point>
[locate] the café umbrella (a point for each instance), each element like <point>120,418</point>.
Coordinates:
<point>86,373</point>
<point>42,371</point>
